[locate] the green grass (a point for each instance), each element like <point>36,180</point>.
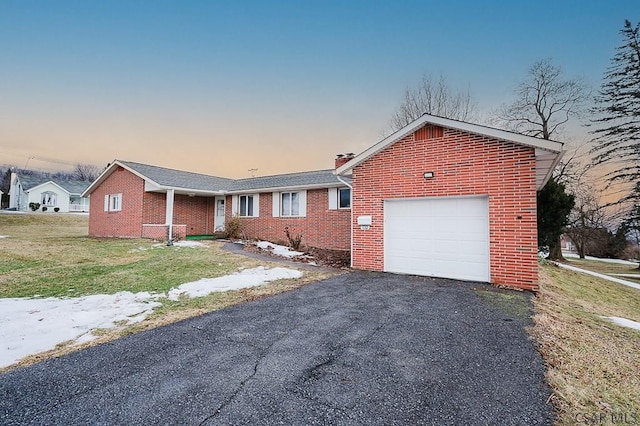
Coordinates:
<point>50,255</point>
<point>592,363</point>
<point>607,268</point>
<point>39,258</point>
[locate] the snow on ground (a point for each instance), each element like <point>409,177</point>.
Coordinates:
<point>624,322</point>
<point>247,278</point>
<point>278,250</point>
<point>619,261</point>
<point>29,326</point>
<point>4,236</point>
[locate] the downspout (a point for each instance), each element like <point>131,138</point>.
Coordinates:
<point>169,215</point>
<point>351,223</point>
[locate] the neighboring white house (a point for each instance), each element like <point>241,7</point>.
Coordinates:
<point>63,195</point>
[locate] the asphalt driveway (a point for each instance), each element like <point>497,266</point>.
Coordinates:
<point>361,348</point>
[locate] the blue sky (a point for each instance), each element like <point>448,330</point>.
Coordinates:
<point>222,87</point>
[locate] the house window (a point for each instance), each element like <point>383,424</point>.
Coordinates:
<point>113,203</point>
<point>48,198</point>
<point>344,198</point>
<point>290,204</point>
<point>246,205</point>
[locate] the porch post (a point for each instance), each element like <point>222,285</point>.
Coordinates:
<point>169,215</point>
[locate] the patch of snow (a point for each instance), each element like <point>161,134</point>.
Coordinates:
<point>618,261</point>
<point>624,322</point>
<point>29,326</point>
<point>279,250</point>
<point>244,279</point>
<point>596,274</point>
<point>4,236</point>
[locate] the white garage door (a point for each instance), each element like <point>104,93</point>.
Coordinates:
<point>444,237</point>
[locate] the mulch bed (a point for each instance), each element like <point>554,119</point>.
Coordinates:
<point>323,257</point>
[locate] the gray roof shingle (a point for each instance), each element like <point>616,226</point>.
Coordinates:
<point>69,185</point>
<point>179,178</point>
<point>313,178</point>
<point>187,180</point>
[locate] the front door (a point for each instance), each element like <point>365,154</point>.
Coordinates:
<point>218,221</point>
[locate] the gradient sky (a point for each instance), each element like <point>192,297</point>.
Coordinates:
<point>222,87</point>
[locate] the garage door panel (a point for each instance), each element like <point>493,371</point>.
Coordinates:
<point>441,237</point>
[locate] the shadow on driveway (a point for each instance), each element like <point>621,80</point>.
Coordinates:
<point>359,348</point>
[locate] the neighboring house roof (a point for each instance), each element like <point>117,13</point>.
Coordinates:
<point>548,153</point>
<point>74,187</point>
<point>162,179</point>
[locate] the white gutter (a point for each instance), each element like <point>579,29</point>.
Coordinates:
<point>351,224</point>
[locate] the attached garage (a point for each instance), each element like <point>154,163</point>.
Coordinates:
<point>438,236</point>
<point>450,199</point>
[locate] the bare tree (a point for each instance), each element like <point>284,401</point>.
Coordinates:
<point>434,97</point>
<point>86,172</point>
<point>544,102</point>
<point>586,219</point>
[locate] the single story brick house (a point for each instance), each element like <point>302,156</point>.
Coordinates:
<point>439,197</point>
<point>139,200</point>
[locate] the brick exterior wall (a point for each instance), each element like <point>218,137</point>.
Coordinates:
<point>124,223</point>
<point>321,228</point>
<point>463,164</point>
<point>143,213</point>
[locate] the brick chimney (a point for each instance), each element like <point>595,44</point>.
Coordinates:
<point>344,158</point>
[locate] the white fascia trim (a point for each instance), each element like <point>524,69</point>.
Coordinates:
<point>548,145</point>
<point>46,183</point>
<point>551,169</point>
<point>180,191</point>
<point>286,188</point>
<point>107,172</point>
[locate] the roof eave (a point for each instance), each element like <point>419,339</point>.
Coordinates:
<point>504,135</point>
<point>285,188</point>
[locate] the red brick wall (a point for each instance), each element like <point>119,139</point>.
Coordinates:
<point>463,164</point>
<point>160,232</point>
<point>321,228</point>
<point>124,223</point>
<point>196,213</point>
<point>191,215</point>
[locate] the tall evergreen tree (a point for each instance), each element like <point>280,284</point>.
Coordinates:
<point>617,132</point>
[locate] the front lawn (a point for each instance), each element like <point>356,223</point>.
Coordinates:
<point>592,363</point>
<point>607,268</point>
<point>50,255</point>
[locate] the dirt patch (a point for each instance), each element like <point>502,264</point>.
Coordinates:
<point>323,257</point>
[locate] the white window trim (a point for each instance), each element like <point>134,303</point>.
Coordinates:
<point>113,202</point>
<point>338,198</point>
<point>235,204</point>
<point>334,198</point>
<point>52,197</point>
<point>302,203</point>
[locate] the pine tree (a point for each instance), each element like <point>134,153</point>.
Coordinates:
<point>617,133</point>
<point>553,217</point>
